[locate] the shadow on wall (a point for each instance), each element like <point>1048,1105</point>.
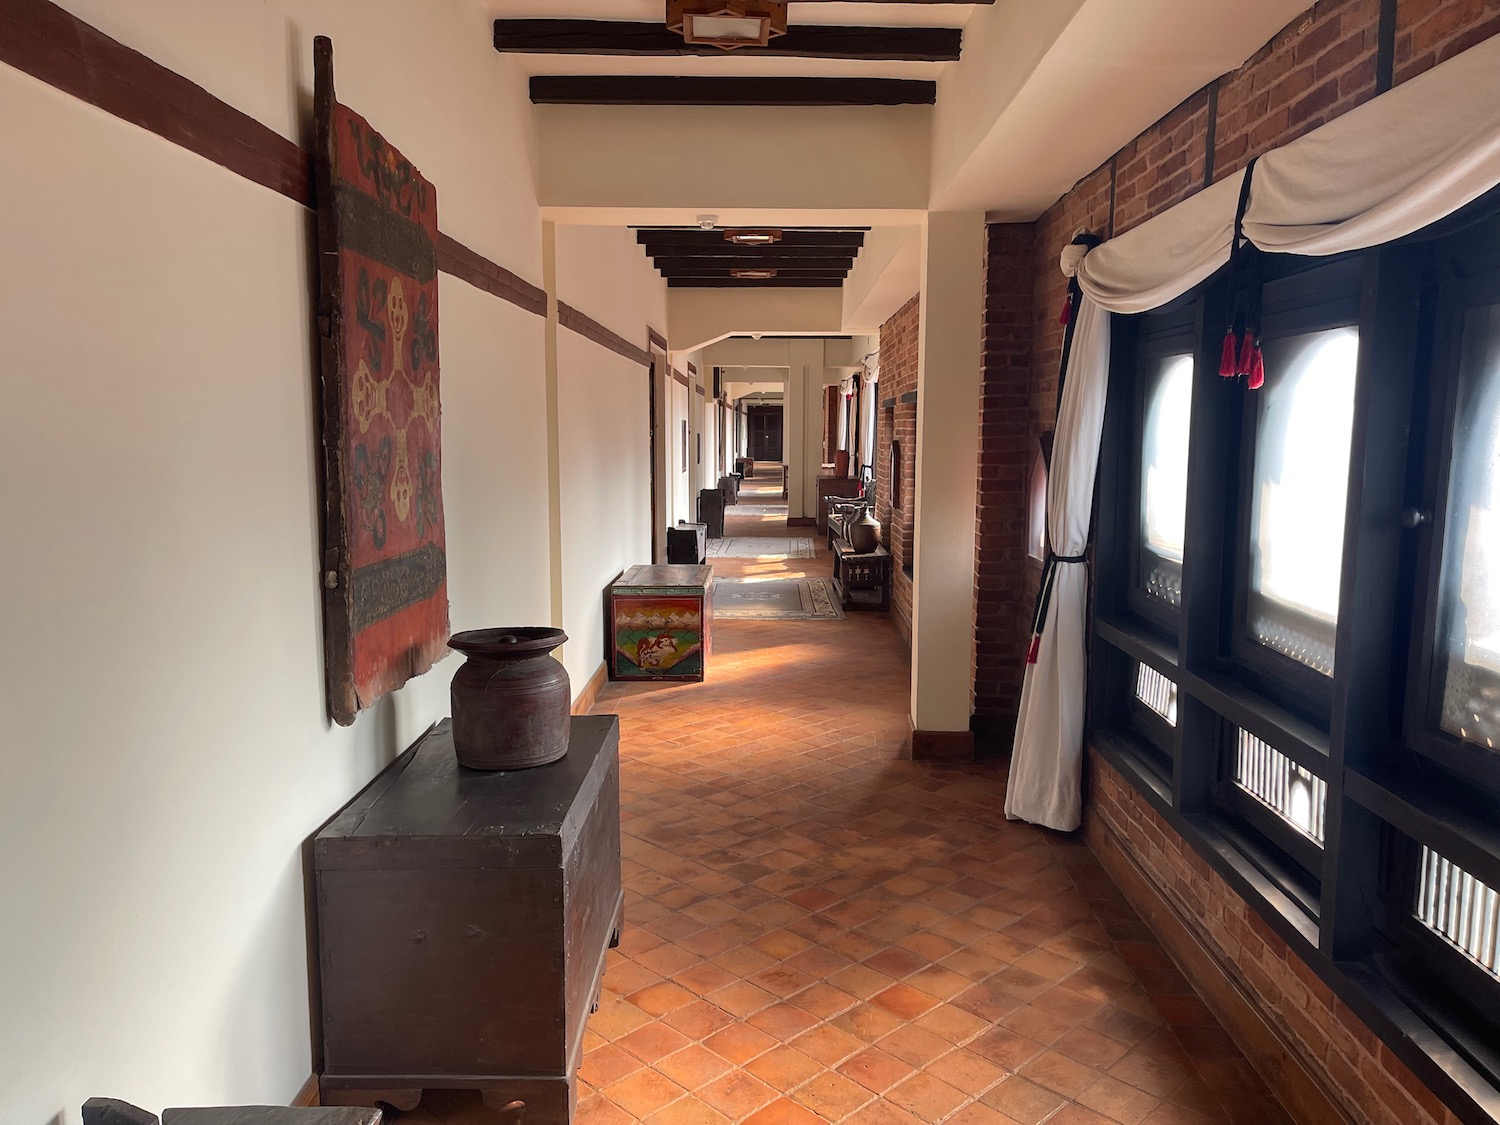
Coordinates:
<point>377,748</point>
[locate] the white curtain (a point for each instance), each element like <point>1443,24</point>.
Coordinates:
<point>1384,170</point>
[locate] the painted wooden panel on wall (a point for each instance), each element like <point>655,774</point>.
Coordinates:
<point>385,603</point>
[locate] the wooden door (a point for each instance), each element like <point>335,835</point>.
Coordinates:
<point>765,433</point>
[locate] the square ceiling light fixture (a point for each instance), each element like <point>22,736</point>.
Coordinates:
<point>727,23</point>
<point>753,275</point>
<point>742,236</point>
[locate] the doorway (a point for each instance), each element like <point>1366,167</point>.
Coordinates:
<point>765,433</point>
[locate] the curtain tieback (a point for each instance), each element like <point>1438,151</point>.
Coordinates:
<point>1044,599</point>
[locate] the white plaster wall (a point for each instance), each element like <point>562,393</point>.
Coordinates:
<point>426,74</point>
<point>604,429</point>
<point>679,499</point>
<point>723,157</point>
<point>606,488</point>
<point>166,753</point>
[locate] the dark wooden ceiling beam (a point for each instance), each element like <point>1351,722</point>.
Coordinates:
<point>659,237</point>
<point>728,252</point>
<point>635,89</point>
<point>707,264</point>
<point>745,283</point>
<point>827,275</point>
<point>611,37</point>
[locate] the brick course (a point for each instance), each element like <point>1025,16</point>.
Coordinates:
<point>898,376</point>
<point>1318,67</point>
<point>1370,1084</point>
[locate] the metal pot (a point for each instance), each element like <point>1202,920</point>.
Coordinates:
<point>864,532</point>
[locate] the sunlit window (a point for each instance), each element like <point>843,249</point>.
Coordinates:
<point>1164,463</point>
<point>1156,692</point>
<point>1293,793</point>
<point>1457,906</point>
<point>1036,515</point>
<point>1470,640</point>
<point>1306,416</point>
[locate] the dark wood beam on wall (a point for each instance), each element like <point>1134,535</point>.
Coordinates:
<point>659,237</point>
<point>610,37</point>
<point>635,89</point>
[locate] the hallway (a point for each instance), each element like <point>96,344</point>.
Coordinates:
<point>817,929</point>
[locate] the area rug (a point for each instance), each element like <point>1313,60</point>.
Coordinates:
<point>757,509</point>
<point>761,547</point>
<point>781,599</point>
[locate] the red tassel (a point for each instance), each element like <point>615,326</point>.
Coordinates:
<point>1248,350</point>
<point>1257,368</point>
<point>1066,316</point>
<point>1034,648</point>
<point>1227,357</point>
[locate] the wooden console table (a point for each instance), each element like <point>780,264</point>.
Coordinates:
<point>463,921</point>
<point>854,576</point>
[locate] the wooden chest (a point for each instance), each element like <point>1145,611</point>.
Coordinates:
<point>687,543</point>
<point>660,623</point>
<point>463,920</point>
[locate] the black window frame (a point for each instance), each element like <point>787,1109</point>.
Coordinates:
<point>1161,335</point>
<point>1467,285</point>
<point>1395,780</point>
<point>1300,298</point>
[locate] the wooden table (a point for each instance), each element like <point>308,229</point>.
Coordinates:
<point>660,623</point>
<point>854,576</point>
<point>463,920</point>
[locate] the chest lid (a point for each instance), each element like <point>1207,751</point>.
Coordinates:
<point>668,579</point>
<point>426,810</point>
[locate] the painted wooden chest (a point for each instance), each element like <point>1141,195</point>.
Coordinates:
<point>660,623</point>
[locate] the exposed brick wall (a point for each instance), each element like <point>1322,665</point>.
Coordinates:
<point>1370,1084</point>
<point>1163,166</point>
<point>1321,65</point>
<point>1430,31</point>
<point>898,378</point>
<point>1007,447</point>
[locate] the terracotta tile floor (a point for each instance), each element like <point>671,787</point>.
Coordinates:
<point>818,930</point>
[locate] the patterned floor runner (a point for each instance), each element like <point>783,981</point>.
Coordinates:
<point>761,547</point>
<point>781,599</point>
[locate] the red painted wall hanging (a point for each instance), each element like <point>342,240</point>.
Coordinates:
<point>385,593</point>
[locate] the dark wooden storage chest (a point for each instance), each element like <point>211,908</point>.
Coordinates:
<point>463,921</point>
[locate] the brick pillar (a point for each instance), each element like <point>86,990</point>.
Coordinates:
<point>1007,447</point>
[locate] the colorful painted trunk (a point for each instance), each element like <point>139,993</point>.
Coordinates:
<point>659,623</point>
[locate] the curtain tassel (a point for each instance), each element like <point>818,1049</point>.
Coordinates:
<point>1248,351</point>
<point>1228,358</point>
<point>1066,316</point>
<point>1257,367</point>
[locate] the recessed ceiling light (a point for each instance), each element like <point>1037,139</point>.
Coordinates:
<point>753,275</point>
<point>727,23</point>
<point>746,237</point>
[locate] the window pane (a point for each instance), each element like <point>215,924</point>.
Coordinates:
<point>1296,795</point>
<point>1164,462</point>
<point>1469,637</point>
<point>1156,692</point>
<point>1457,906</point>
<point>1306,416</point>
